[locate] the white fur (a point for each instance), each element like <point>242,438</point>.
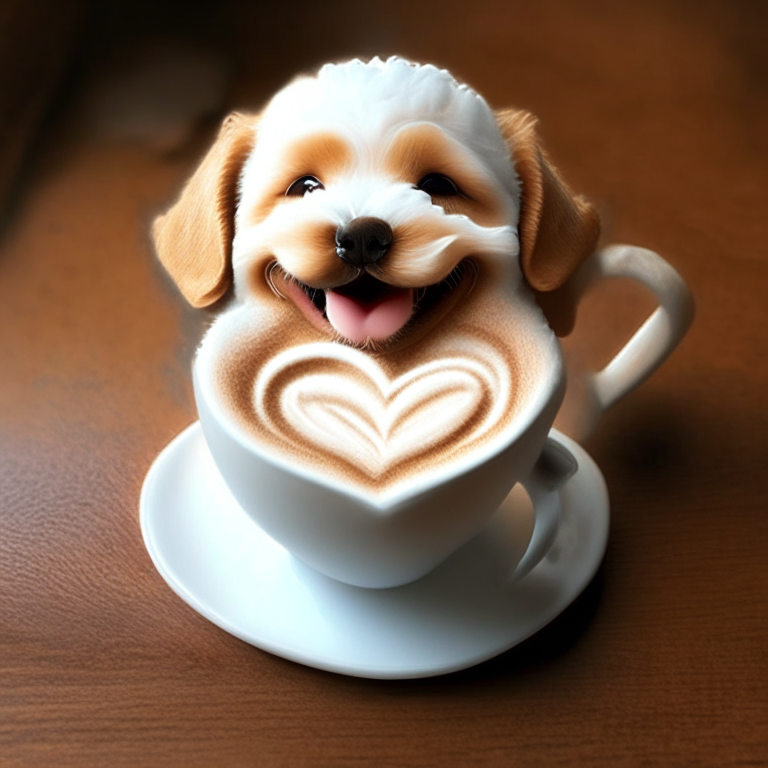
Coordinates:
<point>370,101</point>
<point>367,104</point>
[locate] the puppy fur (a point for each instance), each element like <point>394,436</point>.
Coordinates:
<point>370,131</point>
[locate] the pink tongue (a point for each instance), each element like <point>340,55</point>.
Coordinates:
<point>357,321</point>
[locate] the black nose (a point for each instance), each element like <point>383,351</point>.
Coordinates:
<point>363,241</point>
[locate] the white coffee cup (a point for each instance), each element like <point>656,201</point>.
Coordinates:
<point>388,541</point>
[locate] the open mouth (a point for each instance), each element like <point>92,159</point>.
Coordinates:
<point>368,310</point>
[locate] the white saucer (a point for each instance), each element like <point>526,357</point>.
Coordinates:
<point>222,564</point>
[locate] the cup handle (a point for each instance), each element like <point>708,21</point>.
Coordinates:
<point>653,341</point>
<point>552,470</point>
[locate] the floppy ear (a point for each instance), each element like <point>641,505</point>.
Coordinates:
<point>194,238</point>
<point>558,230</point>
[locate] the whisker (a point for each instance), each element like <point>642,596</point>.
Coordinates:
<point>270,279</point>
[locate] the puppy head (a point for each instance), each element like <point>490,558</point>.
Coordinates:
<point>361,195</point>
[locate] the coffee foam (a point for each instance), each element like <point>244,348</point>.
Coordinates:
<point>373,429</point>
<point>381,423</point>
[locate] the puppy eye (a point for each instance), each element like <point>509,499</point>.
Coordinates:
<point>437,185</point>
<point>301,186</point>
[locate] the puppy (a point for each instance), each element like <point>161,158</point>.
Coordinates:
<point>379,205</point>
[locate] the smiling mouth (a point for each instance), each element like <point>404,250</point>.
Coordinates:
<point>368,311</point>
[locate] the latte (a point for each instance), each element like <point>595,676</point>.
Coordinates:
<point>379,422</point>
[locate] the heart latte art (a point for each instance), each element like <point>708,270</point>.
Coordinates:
<point>336,405</point>
<point>376,423</point>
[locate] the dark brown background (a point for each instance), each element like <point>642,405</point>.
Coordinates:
<point>658,112</point>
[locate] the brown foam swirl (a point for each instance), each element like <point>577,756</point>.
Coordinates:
<point>336,408</point>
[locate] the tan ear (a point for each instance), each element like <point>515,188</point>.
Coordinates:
<point>194,238</point>
<point>558,230</point>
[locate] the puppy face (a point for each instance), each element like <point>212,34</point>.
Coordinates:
<point>370,199</point>
<point>366,188</point>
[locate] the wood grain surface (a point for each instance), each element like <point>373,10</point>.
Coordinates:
<point>657,112</point>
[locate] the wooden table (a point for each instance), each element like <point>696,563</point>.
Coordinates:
<point>657,112</point>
